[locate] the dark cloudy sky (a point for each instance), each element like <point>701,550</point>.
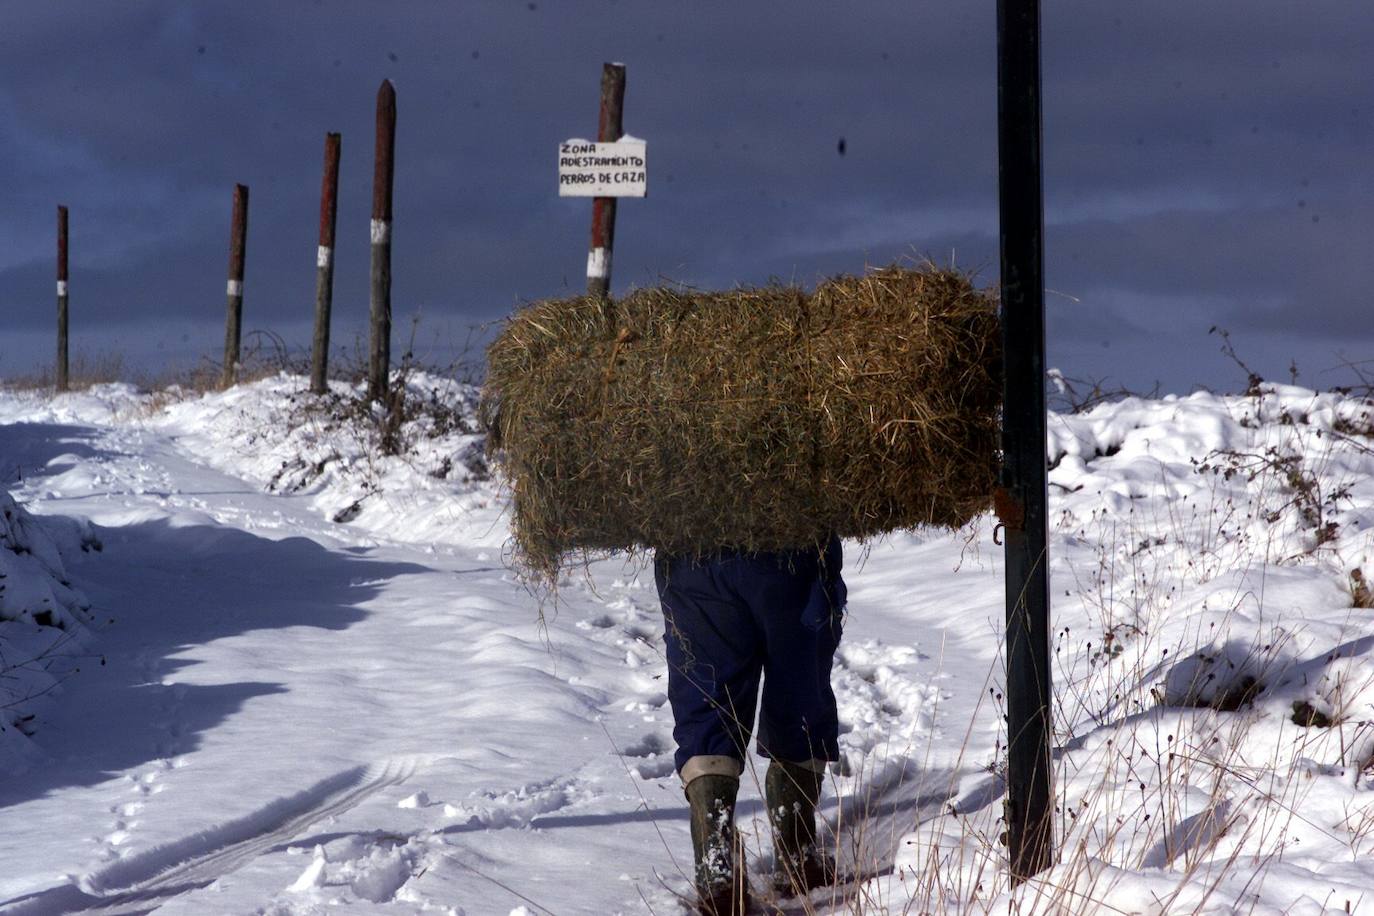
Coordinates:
<point>1205,164</point>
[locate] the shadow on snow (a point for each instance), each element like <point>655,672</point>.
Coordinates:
<point>158,590</point>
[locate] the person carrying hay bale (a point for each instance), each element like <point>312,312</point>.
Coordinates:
<point>732,618</point>
<point>740,435</point>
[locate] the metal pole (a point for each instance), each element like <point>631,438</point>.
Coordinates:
<point>603,208</point>
<point>63,382</point>
<point>1022,499</point>
<point>383,177</point>
<point>324,266</point>
<point>233,326</point>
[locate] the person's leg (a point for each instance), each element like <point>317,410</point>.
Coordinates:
<point>714,661</point>
<point>798,600</point>
<point>720,876</point>
<point>800,607</point>
<point>792,791</point>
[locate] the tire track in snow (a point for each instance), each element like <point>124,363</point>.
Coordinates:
<point>143,882</point>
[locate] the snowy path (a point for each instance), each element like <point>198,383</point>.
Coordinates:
<point>295,713</point>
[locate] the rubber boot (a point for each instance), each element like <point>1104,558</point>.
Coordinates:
<point>792,791</point>
<point>720,876</point>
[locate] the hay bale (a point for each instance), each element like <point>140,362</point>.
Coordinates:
<point>756,418</point>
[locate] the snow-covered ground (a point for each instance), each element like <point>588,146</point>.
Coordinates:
<point>322,689</point>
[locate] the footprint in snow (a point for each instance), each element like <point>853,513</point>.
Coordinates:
<point>375,871</point>
<point>638,633</point>
<point>655,769</point>
<point>646,759</point>
<point>519,807</point>
<point>600,622</point>
<point>648,746</point>
<point>878,701</point>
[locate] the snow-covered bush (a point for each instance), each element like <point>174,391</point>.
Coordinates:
<point>357,462</point>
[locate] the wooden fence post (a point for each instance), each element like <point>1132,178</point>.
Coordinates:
<point>324,264</point>
<point>383,176</point>
<point>233,327</point>
<point>603,208</point>
<point>1022,498</point>
<point>62,380</point>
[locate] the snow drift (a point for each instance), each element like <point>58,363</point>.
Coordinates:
<point>43,627</point>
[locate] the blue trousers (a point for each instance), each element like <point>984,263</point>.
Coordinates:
<point>733,619</point>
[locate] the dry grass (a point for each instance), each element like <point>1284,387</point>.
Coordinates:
<point>264,355</point>
<point>84,370</point>
<point>761,419</point>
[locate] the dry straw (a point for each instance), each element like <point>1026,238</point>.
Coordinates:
<point>758,419</point>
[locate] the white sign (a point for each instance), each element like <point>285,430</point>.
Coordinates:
<point>587,169</point>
